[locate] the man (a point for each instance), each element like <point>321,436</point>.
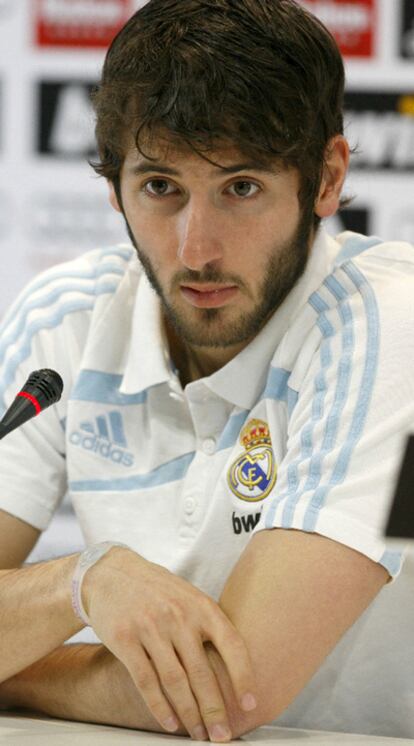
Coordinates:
<point>238,429</point>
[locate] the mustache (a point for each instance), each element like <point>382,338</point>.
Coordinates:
<point>207,275</point>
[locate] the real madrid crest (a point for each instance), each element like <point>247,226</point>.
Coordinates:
<point>252,476</point>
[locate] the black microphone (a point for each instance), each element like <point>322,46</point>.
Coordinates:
<point>43,388</point>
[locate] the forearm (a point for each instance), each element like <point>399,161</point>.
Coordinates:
<point>36,614</point>
<point>80,682</point>
<point>53,684</point>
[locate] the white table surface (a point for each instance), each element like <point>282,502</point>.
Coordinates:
<point>23,729</point>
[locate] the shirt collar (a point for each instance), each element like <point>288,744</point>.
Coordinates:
<point>148,363</point>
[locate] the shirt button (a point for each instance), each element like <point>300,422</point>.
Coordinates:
<point>209,446</point>
<point>189,505</point>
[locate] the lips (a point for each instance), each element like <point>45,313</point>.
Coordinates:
<point>209,295</point>
<point>207,287</point>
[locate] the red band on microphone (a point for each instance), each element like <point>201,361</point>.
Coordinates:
<point>33,399</point>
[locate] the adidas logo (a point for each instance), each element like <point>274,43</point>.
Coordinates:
<point>105,437</point>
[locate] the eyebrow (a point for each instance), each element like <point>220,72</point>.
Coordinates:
<point>150,167</point>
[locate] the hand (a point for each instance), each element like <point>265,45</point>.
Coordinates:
<point>156,623</point>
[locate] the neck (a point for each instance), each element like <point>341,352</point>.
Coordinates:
<point>194,362</point>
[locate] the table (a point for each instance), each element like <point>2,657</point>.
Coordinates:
<point>31,729</point>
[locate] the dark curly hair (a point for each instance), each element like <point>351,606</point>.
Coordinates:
<point>264,75</point>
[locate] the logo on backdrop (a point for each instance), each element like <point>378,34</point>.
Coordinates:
<point>407,29</point>
<point>79,23</point>
<point>65,119</point>
<point>253,474</point>
<point>390,116</point>
<point>352,22</point>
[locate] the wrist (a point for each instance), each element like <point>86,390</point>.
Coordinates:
<point>86,560</point>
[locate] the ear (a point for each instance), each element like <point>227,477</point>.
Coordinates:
<point>333,176</point>
<point>113,199</point>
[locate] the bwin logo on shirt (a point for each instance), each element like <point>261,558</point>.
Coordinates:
<point>105,437</point>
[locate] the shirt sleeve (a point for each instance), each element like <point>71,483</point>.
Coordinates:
<point>354,410</point>
<point>43,329</point>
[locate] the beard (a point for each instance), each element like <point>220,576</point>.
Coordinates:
<point>283,269</point>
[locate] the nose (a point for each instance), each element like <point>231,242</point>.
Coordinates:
<point>199,242</point>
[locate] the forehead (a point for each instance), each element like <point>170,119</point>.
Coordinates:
<point>173,151</point>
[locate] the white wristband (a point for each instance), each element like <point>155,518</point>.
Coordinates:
<point>88,558</point>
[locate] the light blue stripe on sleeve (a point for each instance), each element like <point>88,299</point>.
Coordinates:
<point>164,474</point>
<point>341,394</point>
<point>362,404</point>
<point>103,388</point>
<point>355,245</point>
<point>364,397</point>
<point>52,321</point>
<point>48,300</point>
<point>318,410</point>
<point>320,306</point>
<point>63,272</point>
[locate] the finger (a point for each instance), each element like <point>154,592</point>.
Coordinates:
<point>205,686</point>
<point>147,682</point>
<point>233,650</point>
<point>174,680</point>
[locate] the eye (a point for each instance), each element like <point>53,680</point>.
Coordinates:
<point>164,183</point>
<point>243,185</point>
<point>158,185</point>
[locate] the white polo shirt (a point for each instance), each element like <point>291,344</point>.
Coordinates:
<point>303,429</point>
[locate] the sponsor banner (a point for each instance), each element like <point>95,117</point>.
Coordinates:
<point>353,23</point>
<point>407,29</point>
<point>79,23</point>
<point>381,126</point>
<point>65,119</point>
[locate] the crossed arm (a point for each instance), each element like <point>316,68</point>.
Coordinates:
<point>291,595</point>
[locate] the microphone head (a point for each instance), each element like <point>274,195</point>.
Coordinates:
<point>45,385</point>
<point>43,388</point>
